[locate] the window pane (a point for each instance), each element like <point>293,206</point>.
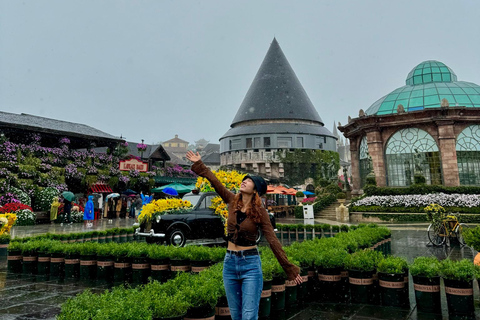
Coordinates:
<point>249,143</point>
<point>299,142</point>
<point>257,143</point>
<point>266,142</point>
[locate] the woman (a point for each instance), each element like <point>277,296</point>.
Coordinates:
<point>242,269</point>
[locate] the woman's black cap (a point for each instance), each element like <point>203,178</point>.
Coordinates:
<point>260,184</point>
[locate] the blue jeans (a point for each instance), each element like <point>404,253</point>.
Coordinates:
<point>243,281</point>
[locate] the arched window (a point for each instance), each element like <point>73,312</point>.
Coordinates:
<point>468,155</point>
<point>411,152</point>
<point>365,161</point>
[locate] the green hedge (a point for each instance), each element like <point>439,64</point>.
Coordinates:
<point>370,190</point>
<point>323,202</point>
<point>416,217</point>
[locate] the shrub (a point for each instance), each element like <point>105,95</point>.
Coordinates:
<point>472,237</point>
<point>323,202</point>
<point>419,179</point>
<point>392,264</point>
<point>330,258</point>
<point>425,267</point>
<point>363,260</point>
<point>299,194</point>
<point>463,270</point>
<point>341,195</point>
<point>44,198</point>
<point>333,189</point>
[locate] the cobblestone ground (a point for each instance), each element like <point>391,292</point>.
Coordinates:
<point>30,297</point>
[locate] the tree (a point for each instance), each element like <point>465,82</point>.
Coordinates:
<point>302,164</point>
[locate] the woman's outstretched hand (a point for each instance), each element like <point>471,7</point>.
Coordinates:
<point>299,279</point>
<point>193,157</point>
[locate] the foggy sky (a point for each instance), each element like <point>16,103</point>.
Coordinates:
<point>153,69</point>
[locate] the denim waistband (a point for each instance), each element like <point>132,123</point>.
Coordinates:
<point>249,252</point>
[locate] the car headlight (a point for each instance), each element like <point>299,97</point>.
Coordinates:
<point>157,218</point>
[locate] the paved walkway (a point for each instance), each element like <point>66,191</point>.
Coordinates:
<point>28,297</point>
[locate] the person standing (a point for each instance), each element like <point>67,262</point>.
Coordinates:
<point>67,211</point>
<point>138,206</point>
<point>88,212</point>
<point>54,210</point>
<point>242,270</point>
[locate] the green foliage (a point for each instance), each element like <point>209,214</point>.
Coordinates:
<point>418,189</point>
<point>44,198</point>
<point>472,237</point>
<point>332,189</point>
<point>393,264</point>
<point>463,270</point>
<point>370,180</point>
<point>5,238</point>
<point>341,195</point>
<point>419,179</point>
<point>299,194</point>
<point>302,164</point>
<point>363,260</point>
<point>330,258</point>
<point>323,202</point>
<point>298,211</point>
<point>425,267</point>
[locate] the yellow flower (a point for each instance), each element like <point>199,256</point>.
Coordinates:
<point>7,219</point>
<point>159,207</point>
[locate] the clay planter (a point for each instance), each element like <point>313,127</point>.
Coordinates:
<point>199,265</point>
<point>105,269</point>
<point>278,294</point>
<point>330,283</point>
<point>361,286</point>
<point>43,264</point>
<point>179,265</point>
<point>14,264</point>
<point>72,266</point>
<point>427,294</point>
<point>160,269</point>
<point>459,297</point>
<point>222,311</point>
<point>122,270</point>
<point>29,265</point>
<point>392,290</point>
<point>57,265</point>
<point>3,248</point>
<point>140,270</point>
<point>291,289</point>
<point>200,313</point>
<point>265,300</point>
<point>88,267</point>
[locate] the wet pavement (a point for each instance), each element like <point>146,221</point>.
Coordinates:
<point>31,297</point>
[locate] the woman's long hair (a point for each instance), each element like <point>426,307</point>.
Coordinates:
<point>254,209</point>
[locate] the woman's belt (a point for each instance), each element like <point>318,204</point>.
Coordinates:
<point>249,252</point>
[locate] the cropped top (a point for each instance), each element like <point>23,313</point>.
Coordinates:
<point>245,233</point>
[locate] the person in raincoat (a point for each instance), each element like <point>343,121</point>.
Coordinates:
<point>54,209</point>
<point>88,213</point>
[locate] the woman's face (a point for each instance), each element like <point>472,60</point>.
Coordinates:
<point>247,186</point>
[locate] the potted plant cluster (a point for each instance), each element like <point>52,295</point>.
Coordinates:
<point>392,274</point>
<point>426,282</point>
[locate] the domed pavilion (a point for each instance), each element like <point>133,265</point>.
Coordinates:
<point>428,127</point>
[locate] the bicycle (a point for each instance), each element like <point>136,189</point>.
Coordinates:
<point>450,227</point>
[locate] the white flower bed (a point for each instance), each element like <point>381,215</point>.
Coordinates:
<point>421,200</point>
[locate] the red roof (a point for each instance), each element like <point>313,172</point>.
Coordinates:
<point>101,188</point>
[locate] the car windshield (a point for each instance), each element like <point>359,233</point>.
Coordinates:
<point>193,198</point>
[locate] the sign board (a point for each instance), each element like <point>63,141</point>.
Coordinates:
<point>133,164</point>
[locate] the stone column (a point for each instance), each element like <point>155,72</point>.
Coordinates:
<point>375,149</point>
<point>355,163</point>
<point>448,153</point>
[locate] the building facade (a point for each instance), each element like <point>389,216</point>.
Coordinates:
<point>275,115</point>
<point>429,127</point>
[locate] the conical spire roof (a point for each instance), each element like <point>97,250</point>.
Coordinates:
<point>276,93</point>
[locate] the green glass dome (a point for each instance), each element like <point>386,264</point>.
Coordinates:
<point>427,84</point>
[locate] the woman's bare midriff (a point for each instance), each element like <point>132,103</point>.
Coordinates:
<point>233,247</point>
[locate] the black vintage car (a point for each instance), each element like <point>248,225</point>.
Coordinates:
<point>200,223</point>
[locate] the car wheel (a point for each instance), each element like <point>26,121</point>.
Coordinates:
<point>177,238</point>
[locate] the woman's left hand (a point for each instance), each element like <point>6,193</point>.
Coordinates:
<point>299,279</point>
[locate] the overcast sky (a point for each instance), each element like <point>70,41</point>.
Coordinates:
<point>153,69</point>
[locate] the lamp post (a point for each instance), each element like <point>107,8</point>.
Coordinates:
<point>141,153</point>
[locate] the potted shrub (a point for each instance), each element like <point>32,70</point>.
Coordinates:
<point>426,282</point>
<point>179,261</point>
<point>140,263</point>
<point>14,257</point>
<point>266,296</point>
<point>458,279</point>
<point>159,263</point>
<point>57,260</point>
<point>326,228</point>
<point>123,235</point>
<point>109,235</point>
<point>4,241</point>
<point>203,293</point>
<point>341,196</point>
<point>88,261</point>
<point>72,260</point>
<point>291,289</point>
<point>309,231</point>
<point>104,263</point>
<point>278,287</point>
<point>361,266</point>
<point>299,195</point>
<point>199,258</point>
<point>102,236</point>
<point>115,235</point>
<point>169,307</point>
<point>130,234</point>
<point>335,229</point>
<point>29,257</point>
<point>43,262</point>
<point>122,272</point>
<point>87,236</point>
<point>393,287</point>
<point>329,263</point>
<point>95,236</point>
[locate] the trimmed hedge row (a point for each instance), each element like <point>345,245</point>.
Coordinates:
<point>475,210</point>
<point>419,217</point>
<point>371,190</point>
